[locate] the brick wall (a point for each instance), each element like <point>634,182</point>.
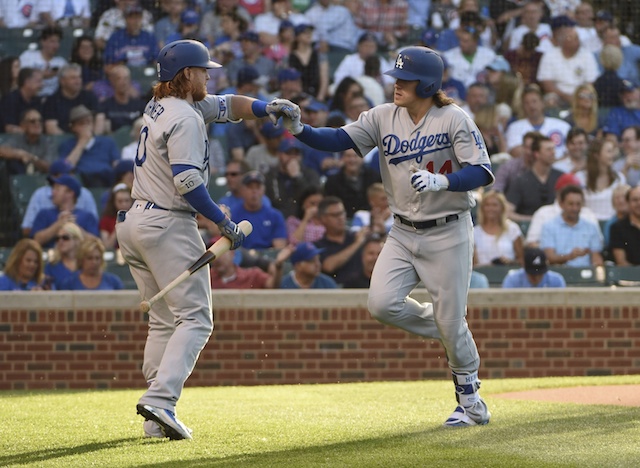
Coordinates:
<point>88,340</point>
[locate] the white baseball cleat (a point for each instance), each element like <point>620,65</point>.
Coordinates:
<point>476,415</point>
<point>169,425</point>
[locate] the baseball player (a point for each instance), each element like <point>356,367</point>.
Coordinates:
<point>431,156</point>
<point>159,235</point>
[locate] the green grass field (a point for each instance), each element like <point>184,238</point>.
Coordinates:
<point>362,425</point>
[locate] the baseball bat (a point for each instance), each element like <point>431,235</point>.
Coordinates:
<point>218,248</point>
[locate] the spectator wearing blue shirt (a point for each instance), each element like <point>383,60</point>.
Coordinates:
<point>306,272</point>
<point>626,115</point>
<point>569,240</point>
<point>62,261</point>
<point>131,45</point>
<point>269,228</point>
<point>93,157</point>
<point>65,192</point>
<point>628,70</point>
<point>41,198</point>
<point>24,270</point>
<point>535,273</point>
<point>91,266</point>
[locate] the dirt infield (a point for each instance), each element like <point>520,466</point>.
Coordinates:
<point>622,395</point>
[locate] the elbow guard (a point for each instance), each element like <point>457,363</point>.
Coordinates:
<point>188,180</point>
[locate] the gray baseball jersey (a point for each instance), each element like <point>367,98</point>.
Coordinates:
<point>443,142</point>
<point>159,239</point>
<point>174,132</point>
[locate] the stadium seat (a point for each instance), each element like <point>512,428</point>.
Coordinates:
<point>22,187</point>
<point>146,76</point>
<point>623,275</point>
<point>524,227</point>
<point>16,40</point>
<point>97,192</point>
<point>4,255</point>
<point>495,273</point>
<point>122,272</point>
<point>122,136</point>
<point>217,188</point>
<point>581,277</point>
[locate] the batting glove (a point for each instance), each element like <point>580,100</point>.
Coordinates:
<point>282,108</point>
<point>293,124</point>
<point>231,231</point>
<point>422,180</point>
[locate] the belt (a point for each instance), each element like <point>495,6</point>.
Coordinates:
<point>427,224</point>
<point>150,205</point>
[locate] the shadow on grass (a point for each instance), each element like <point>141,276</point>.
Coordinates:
<point>493,445</point>
<point>28,458</point>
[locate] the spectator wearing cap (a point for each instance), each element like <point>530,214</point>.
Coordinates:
<point>189,28</point>
<point>547,212</point>
<point>64,194</point>
<point>251,56</point>
<point>469,59</point>
<point>57,107</point>
<point>628,113</point>
<point>562,69</point>
<point>169,23</point>
<point>289,83</point>
<point>234,171</point>
<point>19,100</point>
<point>352,65</point>
<point>46,59</point>
<point>286,182</point>
<point>244,135</point>
<point>29,150</point>
<point>279,51</point>
<point>306,273</point>
<point>269,228</point>
<point>387,19</point>
<point>131,45</point>
<point>535,274</point>
<point>569,240</point>
<point>41,198</point>
<point>603,20</point>
<point>625,234</point>
<point>92,157</point>
<point>310,62</point>
<point>335,29</point>
<point>114,18</point>
<point>628,69</point>
<point>264,156</point>
<point>267,24</point>
<point>575,157</point>
<point>531,21</point>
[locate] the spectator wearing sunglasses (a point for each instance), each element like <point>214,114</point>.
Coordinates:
<point>63,259</point>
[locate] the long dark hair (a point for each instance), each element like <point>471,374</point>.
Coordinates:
<point>6,77</point>
<point>593,164</point>
<point>95,63</point>
<point>306,193</point>
<point>337,103</point>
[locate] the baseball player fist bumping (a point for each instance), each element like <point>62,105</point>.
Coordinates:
<point>170,188</point>
<point>293,123</point>
<point>422,180</point>
<point>425,139</point>
<point>282,108</point>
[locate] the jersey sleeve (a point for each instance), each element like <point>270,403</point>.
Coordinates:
<point>468,144</point>
<point>365,131</point>
<point>215,108</point>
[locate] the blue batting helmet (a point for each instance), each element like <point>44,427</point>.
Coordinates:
<point>419,64</point>
<point>181,54</point>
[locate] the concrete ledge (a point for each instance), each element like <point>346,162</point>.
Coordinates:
<point>342,298</point>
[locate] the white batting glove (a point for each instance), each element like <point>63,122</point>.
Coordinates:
<point>282,108</point>
<point>293,124</point>
<point>231,231</point>
<point>422,180</point>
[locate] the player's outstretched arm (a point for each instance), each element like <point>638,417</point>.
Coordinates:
<point>324,139</point>
<point>244,107</point>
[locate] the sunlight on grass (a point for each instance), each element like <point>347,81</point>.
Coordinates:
<point>369,424</point>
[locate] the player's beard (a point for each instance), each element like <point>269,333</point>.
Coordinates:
<point>199,93</point>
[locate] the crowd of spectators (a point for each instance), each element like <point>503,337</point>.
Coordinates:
<point>554,87</point>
